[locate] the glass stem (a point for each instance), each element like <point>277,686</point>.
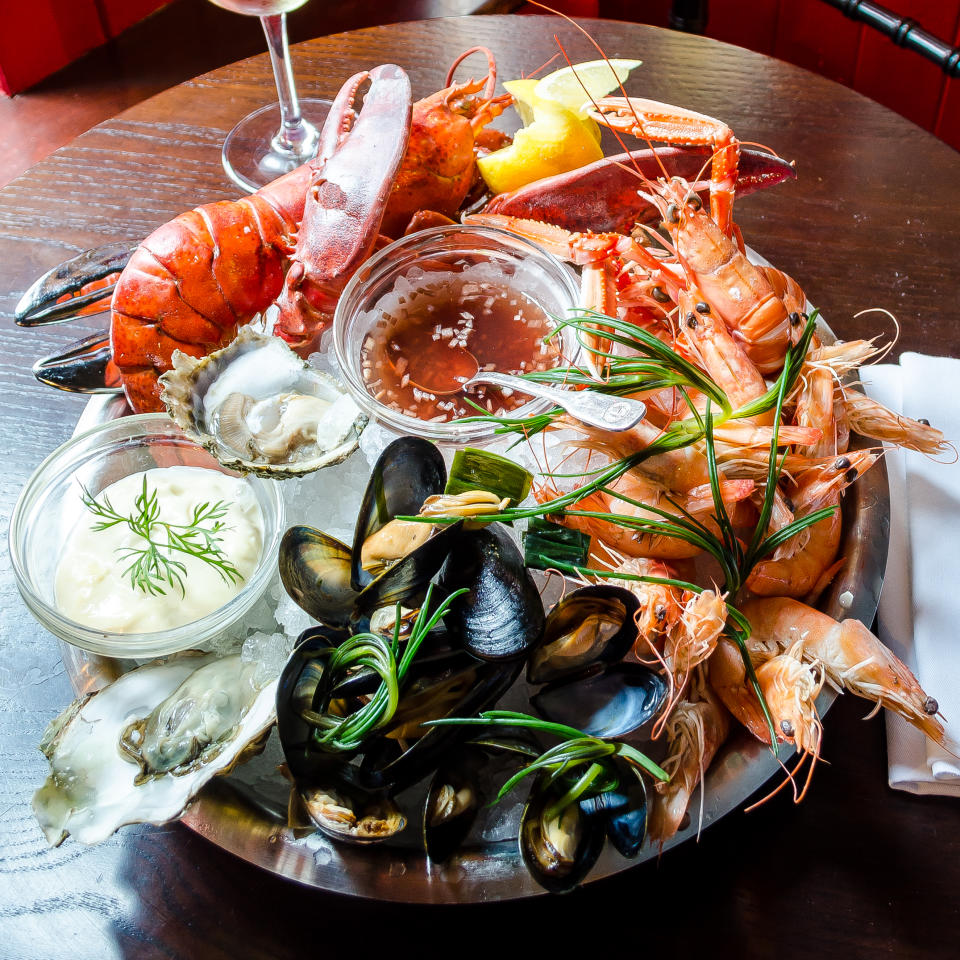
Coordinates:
<point>293,133</point>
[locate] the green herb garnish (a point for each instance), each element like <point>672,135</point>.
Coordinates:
<point>153,565</point>
<point>335,733</point>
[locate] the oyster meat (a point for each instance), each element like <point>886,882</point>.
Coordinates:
<point>140,749</point>
<point>257,407</point>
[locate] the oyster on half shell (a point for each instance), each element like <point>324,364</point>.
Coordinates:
<point>257,407</point>
<point>140,749</point>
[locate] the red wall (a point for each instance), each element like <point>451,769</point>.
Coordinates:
<point>820,38</point>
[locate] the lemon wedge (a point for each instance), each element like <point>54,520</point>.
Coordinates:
<point>557,135</point>
<point>577,86</point>
<point>555,142</point>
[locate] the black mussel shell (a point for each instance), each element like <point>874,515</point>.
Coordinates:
<point>315,570</point>
<point>559,852</point>
<point>594,624</point>
<point>480,685</point>
<point>454,798</point>
<point>609,701</point>
<point>623,811</point>
<point>408,471</point>
<point>502,615</point>
<point>351,815</point>
<point>296,692</point>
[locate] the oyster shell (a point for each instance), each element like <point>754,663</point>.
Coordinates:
<point>140,749</point>
<point>257,407</point>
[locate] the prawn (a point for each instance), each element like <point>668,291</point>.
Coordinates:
<point>852,658</point>
<point>695,731</point>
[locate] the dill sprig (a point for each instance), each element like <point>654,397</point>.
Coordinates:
<point>153,565</point>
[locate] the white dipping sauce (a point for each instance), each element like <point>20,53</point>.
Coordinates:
<point>91,587</point>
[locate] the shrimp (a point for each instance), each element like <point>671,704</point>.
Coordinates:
<point>720,354</point>
<point>696,729</point>
<point>851,656</point>
<point>872,419</point>
<point>693,636</point>
<point>735,289</point>
<point>630,497</point>
<point>661,605</point>
<point>801,567</point>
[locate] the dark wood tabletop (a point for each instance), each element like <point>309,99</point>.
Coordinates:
<point>856,870</point>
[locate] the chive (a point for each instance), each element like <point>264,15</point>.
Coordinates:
<point>481,470</point>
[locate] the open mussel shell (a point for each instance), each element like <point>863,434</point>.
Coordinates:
<point>559,851</point>
<point>296,693</point>
<point>462,688</point>
<point>454,798</point>
<point>501,616</point>
<point>623,811</point>
<point>408,471</point>
<point>350,815</point>
<point>594,624</point>
<point>604,701</point>
<point>258,408</point>
<point>315,570</point>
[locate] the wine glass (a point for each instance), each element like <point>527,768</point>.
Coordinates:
<point>280,136</point>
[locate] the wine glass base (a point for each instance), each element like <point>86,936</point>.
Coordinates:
<point>250,157</point>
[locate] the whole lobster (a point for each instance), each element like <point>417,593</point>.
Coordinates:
<point>195,279</point>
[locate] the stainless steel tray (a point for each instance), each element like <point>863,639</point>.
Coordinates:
<point>247,815</point>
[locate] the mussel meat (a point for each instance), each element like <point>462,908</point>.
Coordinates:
<point>351,816</point>
<point>593,624</point>
<point>559,848</point>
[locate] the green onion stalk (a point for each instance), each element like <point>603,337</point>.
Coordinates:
<point>339,734</point>
<point>582,765</point>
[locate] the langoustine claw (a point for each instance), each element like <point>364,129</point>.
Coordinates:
<point>604,196</point>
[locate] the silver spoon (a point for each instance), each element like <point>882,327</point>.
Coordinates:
<point>594,409</point>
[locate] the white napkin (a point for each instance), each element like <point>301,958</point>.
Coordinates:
<point>919,613</point>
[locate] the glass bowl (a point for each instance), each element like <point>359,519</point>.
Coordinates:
<point>50,504</point>
<point>540,277</point>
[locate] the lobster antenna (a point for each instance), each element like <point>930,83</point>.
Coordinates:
<point>491,69</point>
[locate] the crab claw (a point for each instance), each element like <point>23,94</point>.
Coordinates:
<point>603,196</point>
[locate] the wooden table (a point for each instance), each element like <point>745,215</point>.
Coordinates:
<point>856,870</point>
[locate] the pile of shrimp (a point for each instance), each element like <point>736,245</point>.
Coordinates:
<point>691,285</point>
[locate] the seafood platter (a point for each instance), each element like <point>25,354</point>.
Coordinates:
<point>491,521</point>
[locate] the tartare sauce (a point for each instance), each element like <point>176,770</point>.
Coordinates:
<point>91,587</point>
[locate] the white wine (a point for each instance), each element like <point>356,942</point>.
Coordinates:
<point>259,8</point>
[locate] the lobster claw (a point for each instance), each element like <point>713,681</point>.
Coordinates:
<point>603,196</point>
<point>345,201</point>
<point>86,366</point>
<point>50,298</point>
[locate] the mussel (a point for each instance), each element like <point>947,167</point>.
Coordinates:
<point>326,577</point>
<point>623,811</point>
<point>501,616</point>
<point>593,624</point>
<point>353,815</point>
<point>454,798</point>
<point>604,701</point>
<point>559,848</point>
